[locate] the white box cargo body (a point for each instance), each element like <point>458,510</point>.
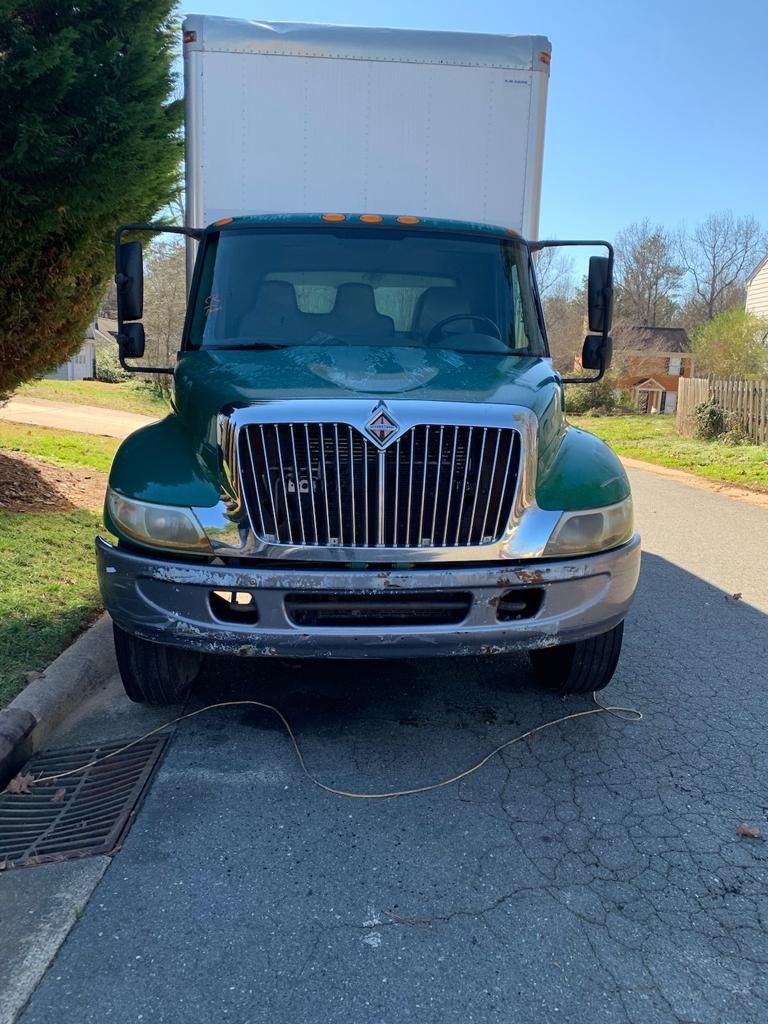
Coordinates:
<point>292,118</point>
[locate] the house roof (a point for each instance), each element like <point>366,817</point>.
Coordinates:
<point>637,338</point>
<point>757,270</point>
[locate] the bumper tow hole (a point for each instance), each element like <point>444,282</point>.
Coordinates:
<point>234,606</point>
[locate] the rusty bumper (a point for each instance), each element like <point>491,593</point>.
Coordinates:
<point>557,602</point>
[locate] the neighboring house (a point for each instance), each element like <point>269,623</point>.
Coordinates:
<point>650,362</point>
<point>82,364</point>
<point>757,289</point>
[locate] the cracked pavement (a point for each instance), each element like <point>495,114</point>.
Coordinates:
<point>590,874</point>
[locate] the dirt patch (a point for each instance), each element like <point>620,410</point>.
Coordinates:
<point>29,484</point>
<point>740,493</point>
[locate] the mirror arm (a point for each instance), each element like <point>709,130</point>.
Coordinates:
<point>174,229</point>
<point>585,380</point>
<point>140,369</point>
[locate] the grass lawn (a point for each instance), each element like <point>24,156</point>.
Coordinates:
<point>47,566</point>
<point>62,447</point>
<point>129,396</point>
<point>654,439</point>
<point>49,591</point>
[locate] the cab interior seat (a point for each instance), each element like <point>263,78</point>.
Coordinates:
<point>437,303</point>
<point>355,317</point>
<point>276,314</point>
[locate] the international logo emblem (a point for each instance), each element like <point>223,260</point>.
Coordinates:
<point>382,426</point>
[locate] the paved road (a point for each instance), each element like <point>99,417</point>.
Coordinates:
<point>592,874</point>
<point>86,419</point>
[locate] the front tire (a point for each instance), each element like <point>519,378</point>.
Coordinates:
<point>154,673</point>
<point>581,667</point>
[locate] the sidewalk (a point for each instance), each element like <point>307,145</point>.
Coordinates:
<point>85,419</point>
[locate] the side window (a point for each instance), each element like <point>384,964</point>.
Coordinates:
<point>519,336</point>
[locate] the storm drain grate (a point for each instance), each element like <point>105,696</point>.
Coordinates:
<point>81,814</point>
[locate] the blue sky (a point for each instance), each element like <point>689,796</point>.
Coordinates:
<point>657,108</point>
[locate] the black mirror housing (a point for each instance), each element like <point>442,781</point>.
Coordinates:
<point>131,341</point>
<point>129,278</point>
<point>597,352</point>
<point>600,295</point>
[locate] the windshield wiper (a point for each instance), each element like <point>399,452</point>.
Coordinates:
<point>249,347</point>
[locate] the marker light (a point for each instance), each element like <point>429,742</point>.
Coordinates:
<point>407,220</point>
<point>371,218</point>
<point>334,216</point>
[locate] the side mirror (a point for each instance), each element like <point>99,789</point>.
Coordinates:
<point>129,278</point>
<point>597,352</point>
<point>599,296</point>
<point>131,341</point>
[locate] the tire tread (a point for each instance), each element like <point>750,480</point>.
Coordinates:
<point>582,667</point>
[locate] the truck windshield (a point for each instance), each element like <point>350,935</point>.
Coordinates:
<point>270,288</point>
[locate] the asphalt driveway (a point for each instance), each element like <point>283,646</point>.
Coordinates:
<point>592,874</point>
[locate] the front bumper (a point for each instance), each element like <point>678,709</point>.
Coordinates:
<point>169,602</point>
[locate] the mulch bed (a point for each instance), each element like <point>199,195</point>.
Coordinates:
<point>29,484</point>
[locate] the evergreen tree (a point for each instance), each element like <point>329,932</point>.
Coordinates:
<point>89,138</point>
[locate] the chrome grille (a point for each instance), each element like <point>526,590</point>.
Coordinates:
<point>326,485</point>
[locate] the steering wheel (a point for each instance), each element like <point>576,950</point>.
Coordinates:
<point>434,331</point>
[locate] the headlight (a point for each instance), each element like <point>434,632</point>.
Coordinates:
<point>159,526</point>
<point>584,533</point>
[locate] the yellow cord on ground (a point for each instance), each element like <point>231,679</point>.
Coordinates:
<point>626,714</point>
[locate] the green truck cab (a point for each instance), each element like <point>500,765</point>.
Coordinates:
<point>368,456</point>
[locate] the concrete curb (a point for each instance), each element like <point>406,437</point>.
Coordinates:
<point>31,717</point>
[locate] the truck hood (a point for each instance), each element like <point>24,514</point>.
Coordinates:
<point>207,381</point>
<point>176,461</point>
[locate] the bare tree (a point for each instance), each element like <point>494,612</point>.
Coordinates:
<point>648,275</point>
<point>554,271</point>
<point>165,300</point>
<point>564,316</point>
<point>718,255</point>
<point>563,306</point>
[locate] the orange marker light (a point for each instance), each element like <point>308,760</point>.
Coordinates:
<point>224,220</point>
<point>407,220</point>
<point>545,58</point>
<point>511,231</point>
<point>371,218</point>
<point>334,216</point>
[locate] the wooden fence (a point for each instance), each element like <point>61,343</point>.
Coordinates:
<point>692,391</point>
<point>746,399</point>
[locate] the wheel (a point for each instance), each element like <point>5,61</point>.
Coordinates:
<point>581,667</point>
<point>154,673</point>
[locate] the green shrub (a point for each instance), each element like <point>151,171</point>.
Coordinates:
<point>159,386</point>
<point>108,368</point>
<point>710,420</point>
<point>591,399</point>
<point>89,138</point>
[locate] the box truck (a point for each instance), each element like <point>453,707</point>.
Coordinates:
<point>368,453</point>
